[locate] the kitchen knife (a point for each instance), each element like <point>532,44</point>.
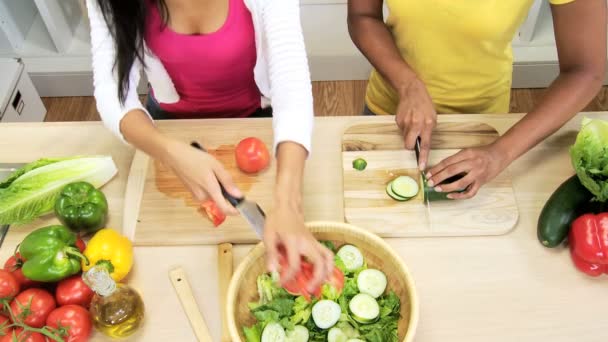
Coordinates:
<point>251,211</point>
<point>423,177</point>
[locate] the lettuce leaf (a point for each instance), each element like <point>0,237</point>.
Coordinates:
<point>302,309</point>
<point>31,191</point>
<point>254,333</point>
<point>589,157</point>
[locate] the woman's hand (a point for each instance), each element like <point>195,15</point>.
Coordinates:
<point>285,228</point>
<point>201,172</point>
<point>480,165</point>
<point>416,116</point>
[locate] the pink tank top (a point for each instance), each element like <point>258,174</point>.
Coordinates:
<point>212,73</point>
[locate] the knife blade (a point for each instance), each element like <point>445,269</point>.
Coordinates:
<point>427,204</point>
<point>251,211</point>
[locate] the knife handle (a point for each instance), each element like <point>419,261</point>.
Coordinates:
<point>234,201</point>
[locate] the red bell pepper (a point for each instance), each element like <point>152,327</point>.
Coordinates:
<point>213,212</point>
<point>588,241</point>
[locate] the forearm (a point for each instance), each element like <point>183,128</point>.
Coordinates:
<point>374,40</point>
<point>569,94</point>
<point>291,158</point>
<point>139,131</point>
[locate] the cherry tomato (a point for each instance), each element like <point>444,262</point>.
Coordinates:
<point>81,245</point>
<point>72,321</point>
<point>73,290</point>
<point>13,265</point>
<point>18,335</point>
<point>213,212</point>
<point>4,325</point>
<point>251,155</point>
<point>9,286</point>
<point>35,305</point>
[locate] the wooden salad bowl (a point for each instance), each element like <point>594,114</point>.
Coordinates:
<point>377,253</point>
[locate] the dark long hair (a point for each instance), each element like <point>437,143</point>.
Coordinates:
<point>126,20</point>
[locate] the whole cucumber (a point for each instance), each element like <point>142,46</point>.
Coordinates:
<point>570,200</point>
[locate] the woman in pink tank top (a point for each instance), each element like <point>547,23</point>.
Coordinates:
<point>213,59</point>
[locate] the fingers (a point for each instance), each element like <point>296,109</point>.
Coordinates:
<point>320,270</point>
<point>470,192</point>
<point>458,157</point>
<point>449,171</point>
<point>272,251</point>
<point>214,191</point>
<point>460,184</point>
<point>293,258</point>
<point>411,133</point>
<point>425,145</point>
<point>226,180</point>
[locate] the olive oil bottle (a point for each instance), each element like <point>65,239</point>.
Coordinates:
<point>117,309</point>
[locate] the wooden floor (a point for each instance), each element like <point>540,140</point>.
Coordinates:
<point>333,98</point>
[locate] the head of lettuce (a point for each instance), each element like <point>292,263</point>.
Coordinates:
<point>589,156</point>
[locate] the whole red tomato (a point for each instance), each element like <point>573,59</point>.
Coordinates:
<point>251,155</point>
<point>18,335</point>
<point>72,321</point>
<point>4,325</point>
<point>81,244</point>
<point>13,265</point>
<point>9,286</point>
<point>73,290</point>
<point>33,306</point>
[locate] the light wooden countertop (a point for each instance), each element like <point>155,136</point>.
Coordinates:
<point>501,288</point>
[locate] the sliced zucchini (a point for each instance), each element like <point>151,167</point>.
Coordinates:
<point>391,194</point>
<point>273,332</point>
<point>336,335</point>
<point>298,334</point>
<point>326,313</point>
<point>372,282</point>
<point>364,308</point>
<point>405,186</point>
<point>351,256</point>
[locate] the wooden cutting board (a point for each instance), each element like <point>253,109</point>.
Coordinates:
<point>492,211</point>
<point>162,211</point>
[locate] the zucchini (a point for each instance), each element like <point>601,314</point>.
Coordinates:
<point>391,194</point>
<point>570,200</point>
<point>298,334</point>
<point>273,332</point>
<point>351,257</point>
<point>336,335</point>
<point>431,195</point>
<point>372,282</point>
<point>326,313</point>
<point>405,186</point>
<point>364,308</point>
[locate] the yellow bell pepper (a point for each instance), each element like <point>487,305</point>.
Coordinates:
<point>110,249</point>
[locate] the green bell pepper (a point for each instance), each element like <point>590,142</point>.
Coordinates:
<point>51,254</point>
<point>81,207</point>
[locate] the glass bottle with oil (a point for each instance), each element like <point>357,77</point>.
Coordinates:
<point>117,309</point>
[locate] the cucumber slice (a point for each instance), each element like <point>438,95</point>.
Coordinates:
<point>364,308</point>
<point>359,164</point>
<point>336,335</point>
<point>405,186</point>
<point>298,334</point>
<point>355,340</point>
<point>273,332</point>
<point>326,313</point>
<point>391,194</point>
<point>351,256</point>
<point>371,282</point>
<point>348,329</point>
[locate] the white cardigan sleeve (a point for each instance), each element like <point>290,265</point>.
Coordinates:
<point>105,79</point>
<point>290,86</point>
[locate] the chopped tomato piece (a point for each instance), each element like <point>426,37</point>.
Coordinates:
<point>213,212</point>
<point>298,285</point>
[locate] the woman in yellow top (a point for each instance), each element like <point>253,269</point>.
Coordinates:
<point>446,56</point>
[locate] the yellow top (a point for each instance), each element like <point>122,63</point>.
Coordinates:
<point>461,50</point>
